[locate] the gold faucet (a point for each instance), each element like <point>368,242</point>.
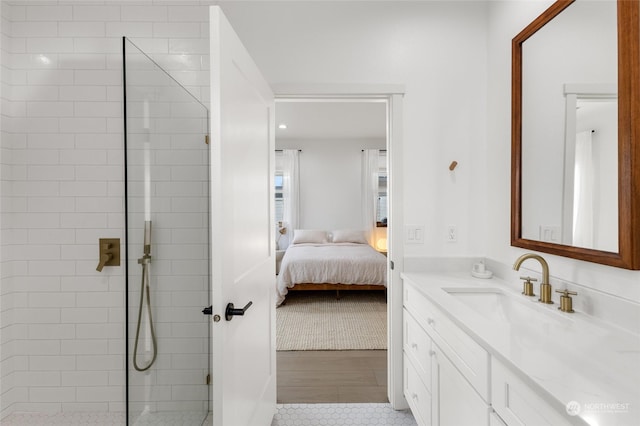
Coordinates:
<point>545,287</point>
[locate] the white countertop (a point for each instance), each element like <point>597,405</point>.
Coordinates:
<point>565,356</point>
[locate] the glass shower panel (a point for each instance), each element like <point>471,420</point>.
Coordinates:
<point>167,251</point>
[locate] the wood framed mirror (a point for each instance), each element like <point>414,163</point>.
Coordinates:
<point>546,174</point>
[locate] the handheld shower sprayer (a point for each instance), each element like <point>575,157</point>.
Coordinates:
<point>145,261</point>
<point>147,238</point>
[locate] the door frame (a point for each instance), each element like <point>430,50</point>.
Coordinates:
<point>393,96</point>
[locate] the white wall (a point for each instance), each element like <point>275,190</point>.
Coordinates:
<point>64,321</point>
<point>614,285</point>
<point>437,50</point>
<point>331,181</point>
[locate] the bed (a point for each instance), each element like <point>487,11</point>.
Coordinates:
<point>338,261</point>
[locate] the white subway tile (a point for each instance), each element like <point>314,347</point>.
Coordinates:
<point>50,267</point>
<point>98,109</point>
<point>35,61</point>
<point>29,156</point>
<point>99,173</point>
<point>85,378</point>
<point>51,204</point>
<point>184,13</point>
<point>84,315</point>
<point>50,109</point>
<point>144,13</point>
<point>36,316</point>
<point>81,29</point>
<point>34,220</point>
<point>83,347</point>
<point>153,46</point>
<point>49,13</point>
<point>53,394</point>
<point>50,141</point>
<point>51,331</point>
<point>83,220</point>
<point>52,363</point>
<point>52,300</point>
<point>47,77</point>
<point>99,362</point>
<point>79,189</point>
<point>92,407</point>
<point>50,45</point>
<point>98,204</point>
<point>38,347</point>
<point>35,93</point>
<point>28,284</point>
<point>84,284</point>
<point>97,45</point>
<point>82,61</point>
<point>38,378</point>
<point>51,236</point>
<point>83,157</point>
<point>36,407</point>
<point>83,125</point>
<point>99,299</point>
<point>50,172</point>
<point>98,77</point>
<point>176,30</point>
<point>35,125</point>
<point>34,29</point>
<point>98,13</point>
<point>129,29</point>
<point>101,331</point>
<point>97,141</point>
<point>83,93</point>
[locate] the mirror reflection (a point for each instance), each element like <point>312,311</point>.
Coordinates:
<point>570,129</point>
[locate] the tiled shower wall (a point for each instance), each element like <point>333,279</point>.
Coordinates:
<point>62,172</point>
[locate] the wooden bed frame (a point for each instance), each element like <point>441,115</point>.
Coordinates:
<point>337,287</point>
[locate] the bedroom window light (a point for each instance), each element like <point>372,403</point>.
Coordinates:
<point>279,199</point>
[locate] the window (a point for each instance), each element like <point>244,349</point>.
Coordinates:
<point>279,201</point>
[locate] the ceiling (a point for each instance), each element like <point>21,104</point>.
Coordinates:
<point>331,120</point>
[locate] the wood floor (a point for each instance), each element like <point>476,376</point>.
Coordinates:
<point>332,376</point>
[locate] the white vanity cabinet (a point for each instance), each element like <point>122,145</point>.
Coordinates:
<point>446,373</point>
<point>517,404</point>
<point>451,380</point>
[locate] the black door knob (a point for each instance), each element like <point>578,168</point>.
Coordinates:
<point>208,311</point>
<point>230,312</point>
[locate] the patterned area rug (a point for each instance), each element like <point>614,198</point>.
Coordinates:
<point>317,321</point>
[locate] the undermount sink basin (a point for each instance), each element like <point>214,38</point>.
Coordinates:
<point>495,305</point>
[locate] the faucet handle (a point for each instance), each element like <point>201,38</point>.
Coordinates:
<point>566,303</point>
<point>527,286</point>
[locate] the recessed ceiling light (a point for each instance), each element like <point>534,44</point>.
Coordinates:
<point>282,126</point>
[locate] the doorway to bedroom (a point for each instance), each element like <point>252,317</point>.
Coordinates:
<point>331,197</point>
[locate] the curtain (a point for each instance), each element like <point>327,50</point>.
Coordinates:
<point>583,191</point>
<point>370,168</point>
<point>290,194</point>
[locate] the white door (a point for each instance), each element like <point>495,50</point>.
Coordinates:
<point>242,233</point>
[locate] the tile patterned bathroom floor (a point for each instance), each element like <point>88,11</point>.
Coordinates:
<point>372,414</point>
<point>341,414</point>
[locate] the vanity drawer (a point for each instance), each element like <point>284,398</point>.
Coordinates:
<point>518,404</point>
<point>416,393</point>
<point>417,346</point>
<point>465,353</point>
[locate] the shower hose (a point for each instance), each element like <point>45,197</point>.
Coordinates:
<point>144,289</point>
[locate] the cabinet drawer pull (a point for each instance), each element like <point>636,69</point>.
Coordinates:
<point>432,353</point>
<point>414,396</point>
<point>414,345</point>
<point>430,321</point>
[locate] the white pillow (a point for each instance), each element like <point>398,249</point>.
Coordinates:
<point>349,236</point>
<point>311,236</point>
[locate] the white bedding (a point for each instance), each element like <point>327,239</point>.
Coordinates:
<point>342,263</point>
